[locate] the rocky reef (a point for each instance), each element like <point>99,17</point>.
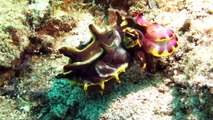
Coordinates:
<point>164,82</point>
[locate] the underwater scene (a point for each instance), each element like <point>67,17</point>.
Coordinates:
<point>106,59</point>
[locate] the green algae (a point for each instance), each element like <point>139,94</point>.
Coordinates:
<point>192,103</point>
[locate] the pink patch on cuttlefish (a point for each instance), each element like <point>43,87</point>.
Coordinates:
<point>140,19</point>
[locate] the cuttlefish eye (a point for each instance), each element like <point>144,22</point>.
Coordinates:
<point>159,41</point>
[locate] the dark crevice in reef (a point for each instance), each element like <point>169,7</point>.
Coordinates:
<point>12,92</point>
<point>38,46</point>
<point>4,69</point>
<point>19,66</point>
<point>5,74</point>
<point>22,66</point>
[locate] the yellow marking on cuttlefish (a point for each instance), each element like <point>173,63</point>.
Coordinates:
<point>102,84</point>
<point>165,52</point>
<point>123,18</point>
<point>165,39</point>
<point>130,31</point>
<point>65,73</point>
<point>124,22</point>
<point>138,42</point>
<point>86,85</point>
<point>94,57</point>
<point>144,65</point>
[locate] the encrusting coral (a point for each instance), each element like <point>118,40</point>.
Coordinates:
<point>100,62</point>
